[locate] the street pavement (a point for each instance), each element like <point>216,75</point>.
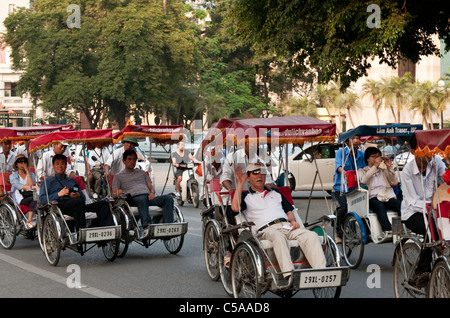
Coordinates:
<point>155,273</point>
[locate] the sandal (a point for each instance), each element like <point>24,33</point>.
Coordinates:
<point>227,261</point>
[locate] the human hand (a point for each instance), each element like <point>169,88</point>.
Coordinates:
<point>240,176</point>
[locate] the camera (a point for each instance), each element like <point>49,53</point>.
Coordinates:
<point>73,190</point>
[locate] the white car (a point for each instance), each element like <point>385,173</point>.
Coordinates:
<point>303,168</point>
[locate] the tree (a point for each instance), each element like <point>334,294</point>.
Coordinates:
<point>371,88</point>
<point>336,37</point>
<point>125,54</point>
<point>348,101</point>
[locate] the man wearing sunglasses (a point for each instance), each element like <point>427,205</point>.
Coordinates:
<point>274,220</point>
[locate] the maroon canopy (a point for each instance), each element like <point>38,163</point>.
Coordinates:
<point>433,142</point>
<point>168,134</point>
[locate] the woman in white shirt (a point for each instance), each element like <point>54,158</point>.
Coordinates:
<point>379,176</point>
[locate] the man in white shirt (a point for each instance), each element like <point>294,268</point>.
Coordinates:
<point>97,158</point>
<point>44,167</point>
<point>7,157</point>
<point>115,164</point>
<point>242,157</point>
<point>274,219</point>
<point>418,186</point>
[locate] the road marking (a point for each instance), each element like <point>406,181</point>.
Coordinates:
<point>54,277</point>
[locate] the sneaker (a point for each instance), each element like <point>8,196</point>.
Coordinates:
<point>144,232</point>
<point>74,237</point>
<point>29,225</point>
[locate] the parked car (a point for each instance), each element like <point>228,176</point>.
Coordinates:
<point>303,169</point>
<point>159,153</point>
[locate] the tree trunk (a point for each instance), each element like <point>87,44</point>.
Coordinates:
<point>119,109</point>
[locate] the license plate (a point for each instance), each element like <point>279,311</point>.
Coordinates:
<point>100,235</point>
<point>320,279</point>
<point>168,230</point>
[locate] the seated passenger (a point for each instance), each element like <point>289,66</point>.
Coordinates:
<point>23,182</point>
<point>274,219</point>
<point>70,198</point>
<point>379,176</point>
<point>178,157</point>
<point>137,184</point>
<point>6,157</point>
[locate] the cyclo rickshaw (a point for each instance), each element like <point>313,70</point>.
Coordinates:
<point>253,269</point>
<point>430,143</point>
<point>360,225</point>
<point>13,216</point>
<point>172,234</point>
<point>55,229</point>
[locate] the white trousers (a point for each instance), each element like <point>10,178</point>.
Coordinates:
<point>307,240</point>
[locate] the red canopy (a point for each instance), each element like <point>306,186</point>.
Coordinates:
<point>92,138</point>
<point>433,142</point>
<point>27,133</point>
<point>295,129</point>
<point>168,134</point>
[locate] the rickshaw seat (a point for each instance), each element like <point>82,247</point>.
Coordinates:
<point>5,185</point>
<point>24,208</point>
<point>87,215</point>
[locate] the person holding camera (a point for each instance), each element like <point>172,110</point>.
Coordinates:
<point>379,176</point>
<point>23,183</point>
<point>70,198</point>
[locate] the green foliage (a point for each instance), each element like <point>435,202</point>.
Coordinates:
<point>333,36</point>
<point>125,53</point>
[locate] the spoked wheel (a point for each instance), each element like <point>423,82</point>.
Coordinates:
<point>125,237</point>
<point>174,244</point>
<point>211,245</point>
<point>331,255</point>
<point>111,249</point>
<point>244,273</point>
<point>405,263</point>
<point>439,286</point>
<point>195,195</point>
<point>39,226</point>
<point>352,243</point>
<point>7,227</point>
<point>51,240</point>
<point>225,272</point>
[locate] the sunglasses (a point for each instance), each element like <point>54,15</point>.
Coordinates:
<point>256,172</point>
<point>22,161</point>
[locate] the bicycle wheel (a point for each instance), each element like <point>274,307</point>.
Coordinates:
<point>331,256</point>
<point>211,250</point>
<point>7,227</point>
<point>195,195</point>
<point>124,241</point>
<point>51,240</point>
<point>174,244</point>
<point>111,249</point>
<point>352,243</point>
<point>225,273</point>
<point>439,286</point>
<point>405,263</point>
<point>244,273</point>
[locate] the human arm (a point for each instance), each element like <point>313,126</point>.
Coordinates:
<point>241,178</point>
